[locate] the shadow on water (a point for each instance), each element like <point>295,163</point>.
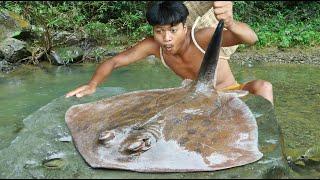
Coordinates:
<point>296,96</point>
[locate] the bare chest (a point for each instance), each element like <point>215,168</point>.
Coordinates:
<point>186,66</point>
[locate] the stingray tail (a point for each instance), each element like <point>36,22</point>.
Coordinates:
<point>208,67</point>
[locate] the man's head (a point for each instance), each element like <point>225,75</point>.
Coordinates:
<point>168,20</point>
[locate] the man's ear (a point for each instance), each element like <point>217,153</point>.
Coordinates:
<point>185,28</point>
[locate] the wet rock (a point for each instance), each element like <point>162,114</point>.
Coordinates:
<point>152,59</point>
<point>6,67</point>
<point>54,161</point>
<point>312,154</point>
<point>54,164</point>
<point>65,139</point>
<point>97,54</point>
<point>66,55</point>
<point>309,158</point>
<point>14,50</point>
<point>1,56</point>
<point>30,164</point>
<point>307,164</point>
<point>66,38</point>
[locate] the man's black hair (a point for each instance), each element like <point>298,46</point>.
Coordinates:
<point>167,12</point>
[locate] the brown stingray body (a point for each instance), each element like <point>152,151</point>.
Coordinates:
<point>187,131</point>
<point>189,128</point>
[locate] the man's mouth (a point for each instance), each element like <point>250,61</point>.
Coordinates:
<point>168,47</point>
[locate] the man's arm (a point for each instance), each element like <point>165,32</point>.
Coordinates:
<point>240,33</point>
<point>137,52</point>
<point>235,33</point>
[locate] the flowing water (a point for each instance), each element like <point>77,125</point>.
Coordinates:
<point>296,93</point>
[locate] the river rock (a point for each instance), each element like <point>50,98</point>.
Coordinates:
<point>66,38</point>
<point>97,54</point>
<point>66,55</point>
<point>38,141</point>
<point>5,66</point>
<point>1,56</point>
<point>11,24</point>
<point>14,50</point>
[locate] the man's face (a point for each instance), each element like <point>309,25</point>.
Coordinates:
<point>170,37</point>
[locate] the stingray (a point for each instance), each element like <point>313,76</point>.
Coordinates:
<point>189,128</point>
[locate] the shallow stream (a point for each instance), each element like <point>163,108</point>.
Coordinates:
<point>296,94</point>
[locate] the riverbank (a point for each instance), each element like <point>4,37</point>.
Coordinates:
<point>309,55</point>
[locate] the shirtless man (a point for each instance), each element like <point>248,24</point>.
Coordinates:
<point>172,43</point>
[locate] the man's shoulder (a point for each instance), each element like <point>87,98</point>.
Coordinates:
<point>150,42</point>
<point>148,45</point>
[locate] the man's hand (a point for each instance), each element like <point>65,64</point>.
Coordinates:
<point>223,11</point>
<point>82,91</point>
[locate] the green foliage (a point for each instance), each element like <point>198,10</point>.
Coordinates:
<point>105,21</point>
<point>277,23</point>
<point>281,24</point>
<point>99,31</point>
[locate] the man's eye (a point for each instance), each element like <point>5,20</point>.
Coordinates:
<point>173,30</point>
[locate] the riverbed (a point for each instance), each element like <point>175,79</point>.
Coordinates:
<point>295,86</point>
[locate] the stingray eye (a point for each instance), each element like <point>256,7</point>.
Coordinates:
<point>147,141</point>
<point>136,146</point>
<point>106,136</point>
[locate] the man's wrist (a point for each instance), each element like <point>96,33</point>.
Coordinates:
<point>93,84</point>
<point>232,26</point>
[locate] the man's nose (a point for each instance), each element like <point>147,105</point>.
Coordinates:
<point>167,36</point>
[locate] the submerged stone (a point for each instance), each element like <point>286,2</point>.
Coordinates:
<point>6,66</point>
<point>54,161</point>
<point>313,154</point>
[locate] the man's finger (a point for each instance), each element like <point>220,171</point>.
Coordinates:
<point>83,93</point>
<point>72,93</point>
<point>221,16</point>
<point>78,95</point>
<point>217,4</point>
<point>218,11</point>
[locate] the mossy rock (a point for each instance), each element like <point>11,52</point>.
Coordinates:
<point>11,24</point>
<point>66,55</point>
